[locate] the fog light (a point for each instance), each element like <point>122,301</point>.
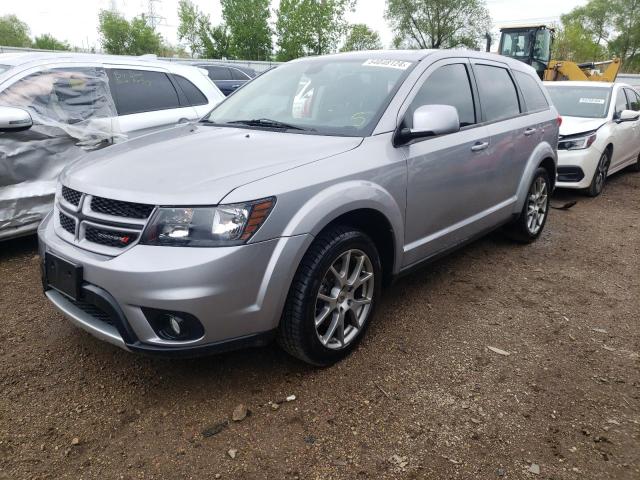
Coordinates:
<point>176,325</point>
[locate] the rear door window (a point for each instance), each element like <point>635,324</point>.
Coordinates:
<point>194,96</point>
<point>218,73</point>
<point>533,96</point>
<point>448,85</point>
<point>138,91</point>
<point>498,94</point>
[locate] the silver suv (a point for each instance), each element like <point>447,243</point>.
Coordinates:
<point>285,210</point>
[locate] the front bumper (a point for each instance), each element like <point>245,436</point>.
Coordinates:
<point>237,293</point>
<point>578,167</point>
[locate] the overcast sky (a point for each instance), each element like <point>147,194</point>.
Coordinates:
<point>77,20</point>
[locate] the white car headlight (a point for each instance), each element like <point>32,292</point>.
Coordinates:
<point>577,143</point>
<point>220,226</point>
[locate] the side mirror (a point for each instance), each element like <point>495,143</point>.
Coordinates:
<point>431,120</point>
<point>628,116</point>
<point>14,119</point>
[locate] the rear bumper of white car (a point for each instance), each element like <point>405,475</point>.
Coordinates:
<point>577,167</point>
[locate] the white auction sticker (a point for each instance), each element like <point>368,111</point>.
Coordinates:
<point>597,101</point>
<point>387,63</point>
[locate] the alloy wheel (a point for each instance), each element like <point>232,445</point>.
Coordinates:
<point>537,205</point>
<point>601,173</point>
<point>344,299</point>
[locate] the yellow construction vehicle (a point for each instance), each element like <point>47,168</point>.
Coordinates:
<point>532,45</point>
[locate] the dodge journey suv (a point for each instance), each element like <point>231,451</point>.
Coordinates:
<point>284,211</point>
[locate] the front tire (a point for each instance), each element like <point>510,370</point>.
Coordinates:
<point>636,166</point>
<point>600,176</point>
<point>533,217</point>
<point>332,297</point>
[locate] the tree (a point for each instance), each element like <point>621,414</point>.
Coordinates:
<point>189,28</point>
<point>201,38</point>
<point>599,30</point>
<point>49,42</point>
<point>310,27</point>
<point>438,23</point>
<point>248,27</point>
<point>121,37</point>
<point>14,32</point>
<point>362,37</point>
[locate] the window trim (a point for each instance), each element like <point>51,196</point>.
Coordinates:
<point>116,99</point>
<point>246,79</point>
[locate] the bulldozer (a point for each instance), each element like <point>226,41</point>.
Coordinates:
<point>532,45</point>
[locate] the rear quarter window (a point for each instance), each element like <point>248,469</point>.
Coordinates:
<point>138,91</point>
<point>238,75</point>
<point>498,94</point>
<point>194,96</point>
<point>533,96</point>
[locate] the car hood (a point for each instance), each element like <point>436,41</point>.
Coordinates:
<point>574,125</point>
<point>195,164</point>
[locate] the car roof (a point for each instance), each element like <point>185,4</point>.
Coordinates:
<point>579,84</point>
<point>26,59</point>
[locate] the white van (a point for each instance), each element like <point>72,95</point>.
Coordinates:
<point>81,102</point>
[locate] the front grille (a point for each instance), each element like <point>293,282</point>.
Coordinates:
<point>94,311</point>
<point>68,223</point>
<point>71,196</point>
<point>119,208</point>
<point>109,238</point>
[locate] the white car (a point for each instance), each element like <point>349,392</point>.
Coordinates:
<point>80,102</point>
<point>600,132</point>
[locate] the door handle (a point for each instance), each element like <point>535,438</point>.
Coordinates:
<point>530,131</point>
<point>477,147</point>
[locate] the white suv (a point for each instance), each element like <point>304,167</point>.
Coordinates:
<point>77,103</point>
<point>600,132</point>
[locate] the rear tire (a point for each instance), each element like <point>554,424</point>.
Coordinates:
<point>332,297</point>
<point>600,176</point>
<point>533,217</point>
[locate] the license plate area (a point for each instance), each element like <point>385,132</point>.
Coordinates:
<point>63,276</point>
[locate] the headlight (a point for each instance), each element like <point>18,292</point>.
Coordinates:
<point>224,225</point>
<point>577,143</point>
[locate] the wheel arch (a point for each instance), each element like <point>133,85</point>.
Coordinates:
<point>542,156</point>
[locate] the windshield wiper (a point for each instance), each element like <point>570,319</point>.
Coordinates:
<point>266,122</point>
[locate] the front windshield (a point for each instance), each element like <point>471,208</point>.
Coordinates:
<point>585,102</point>
<point>326,96</point>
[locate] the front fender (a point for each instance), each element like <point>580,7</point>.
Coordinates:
<point>539,154</point>
<point>332,202</point>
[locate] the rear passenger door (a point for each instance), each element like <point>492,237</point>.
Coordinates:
<point>449,176</point>
<point>510,132</point>
<point>146,99</point>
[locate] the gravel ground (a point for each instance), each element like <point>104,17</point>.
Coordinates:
<point>423,397</point>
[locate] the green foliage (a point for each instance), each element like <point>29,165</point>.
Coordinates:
<point>49,42</point>
<point>599,30</point>
<point>121,37</point>
<point>310,27</point>
<point>438,23</point>
<point>14,32</point>
<point>361,37</point>
<point>248,27</point>
<point>201,38</point>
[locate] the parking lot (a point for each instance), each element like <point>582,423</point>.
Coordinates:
<point>422,397</point>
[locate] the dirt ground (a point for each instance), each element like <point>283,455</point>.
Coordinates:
<point>423,397</point>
